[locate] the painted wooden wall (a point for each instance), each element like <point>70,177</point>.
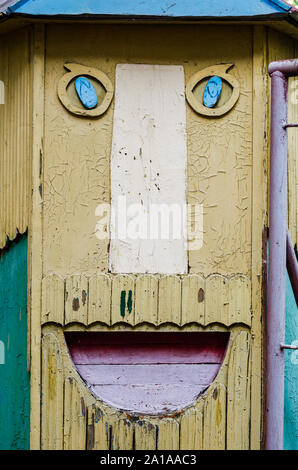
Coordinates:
<point>71,176</point>
<point>14,378</point>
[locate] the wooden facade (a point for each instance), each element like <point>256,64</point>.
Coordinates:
<point>223,288</point>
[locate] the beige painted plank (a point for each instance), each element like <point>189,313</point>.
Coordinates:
<point>122,435</point>
<point>146,299</point>
<point>98,430</point>
<point>240,300</point>
<point>75,416</point>
<point>145,435</point>
<point>76,299</point>
<point>169,300</point>
<point>52,299</point>
<point>52,394</point>
<point>100,291</point>
<point>215,418</point>
<point>123,299</point>
<point>293,161</point>
<point>238,403</point>
<point>217,300</point>
<point>191,430</point>
<point>168,435</point>
<point>193,299</point>
<point>35,232</point>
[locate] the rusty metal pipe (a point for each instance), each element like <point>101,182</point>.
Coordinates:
<point>279,72</point>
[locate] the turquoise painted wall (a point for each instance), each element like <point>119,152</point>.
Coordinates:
<point>291,373</point>
<point>14,378</point>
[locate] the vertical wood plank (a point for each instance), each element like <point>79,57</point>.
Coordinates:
<point>76,299</point>
<point>98,430</point>
<point>293,162</point>
<point>217,299</point>
<point>215,418</point>
<point>35,231</point>
<point>52,394</point>
<point>75,416</point>
<point>238,403</point>
<point>169,300</point>
<point>52,309</point>
<point>123,299</point>
<point>145,435</point>
<point>100,290</point>
<point>240,300</point>
<point>146,299</point>
<point>191,430</point>
<point>168,435</point>
<point>193,299</point>
<point>122,435</point>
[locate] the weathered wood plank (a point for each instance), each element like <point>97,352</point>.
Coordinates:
<point>76,299</point>
<point>145,435</point>
<point>75,416</point>
<point>193,299</point>
<point>240,300</point>
<point>293,162</point>
<point>52,309</point>
<point>238,403</point>
<point>98,430</point>
<point>215,418</point>
<point>168,435</point>
<point>122,435</point>
<point>169,300</point>
<point>146,299</point>
<point>52,394</point>
<point>123,299</point>
<point>100,291</point>
<point>217,299</point>
<point>191,430</point>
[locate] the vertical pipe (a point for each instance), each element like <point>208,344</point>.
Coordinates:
<point>277,263</point>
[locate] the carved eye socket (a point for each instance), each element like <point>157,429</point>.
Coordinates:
<point>85,91</point>
<point>212,91</point>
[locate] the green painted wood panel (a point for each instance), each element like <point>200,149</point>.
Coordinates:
<point>291,373</point>
<point>14,378</point>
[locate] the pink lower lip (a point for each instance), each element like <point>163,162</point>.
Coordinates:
<point>147,373</point>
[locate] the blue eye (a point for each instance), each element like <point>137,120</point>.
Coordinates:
<point>212,92</point>
<point>86,92</point>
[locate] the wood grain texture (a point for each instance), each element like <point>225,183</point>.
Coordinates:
<point>168,435</point>
<point>52,394</point>
<point>169,300</point>
<point>123,299</point>
<point>217,299</point>
<point>193,299</point>
<point>76,299</point>
<point>215,418</point>
<point>146,301</point>
<point>99,298</point>
<point>98,431</point>
<point>122,435</point>
<point>145,435</point>
<point>15,134</point>
<point>239,389</point>
<point>52,309</point>
<point>191,430</point>
<point>75,416</point>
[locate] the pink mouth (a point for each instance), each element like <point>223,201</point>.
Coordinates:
<point>148,373</point>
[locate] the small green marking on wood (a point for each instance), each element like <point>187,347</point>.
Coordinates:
<point>122,303</point>
<point>129,301</point>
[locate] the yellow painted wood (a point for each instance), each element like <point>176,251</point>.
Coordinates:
<point>122,435</point>
<point>259,224</point>
<point>239,300</point>
<point>168,435</point>
<point>146,299</point>
<point>35,231</point>
<point>15,136</point>
<point>76,299</point>
<point>52,394</point>
<point>238,402</point>
<point>293,161</point>
<point>217,299</point>
<point>215,418</point>
<point>75,416</point>
<point>98,431</point>
<point>191,430</point>
<point>169,300</point>
<point>100,290</point>
<point>145,435</point>
<point>193,299</point>
<point>122,289</point>
<point>52,309</point>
